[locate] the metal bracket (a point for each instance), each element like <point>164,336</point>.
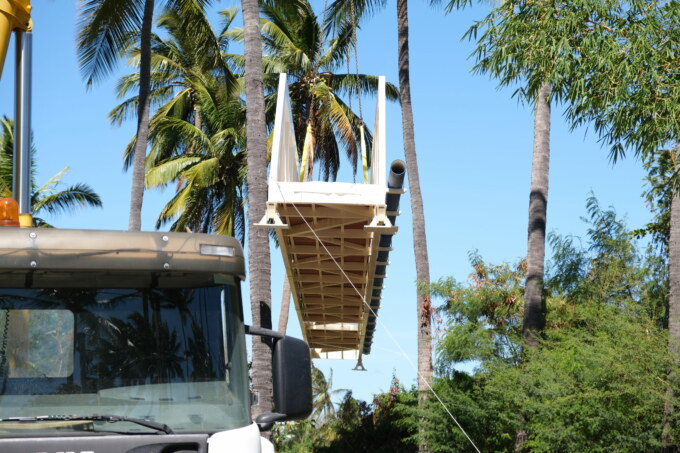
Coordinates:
<point>380,223</point>
<point>359,366</point>
<point>271,218</point>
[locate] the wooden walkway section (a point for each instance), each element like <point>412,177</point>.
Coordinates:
<point>329,234</point>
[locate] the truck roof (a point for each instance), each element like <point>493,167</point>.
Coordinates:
<point>98,257</point>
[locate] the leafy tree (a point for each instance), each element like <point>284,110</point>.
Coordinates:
<point>295,437</point>
<point>592,385</point>
<point>485,420</point>
<point>47,198</point>
<point>629,92</point>
<point>528,44</point>
<point>368,428</point>
<point>355,426</point>
<point>484,316</point>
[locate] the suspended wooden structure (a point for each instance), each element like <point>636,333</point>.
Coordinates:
<point>334,237</point>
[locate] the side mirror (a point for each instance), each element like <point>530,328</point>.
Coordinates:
<point>292,373</point>
<point>292,376</point>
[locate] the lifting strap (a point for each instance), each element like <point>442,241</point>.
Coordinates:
<point>306,152</point>
<point>364,154</point>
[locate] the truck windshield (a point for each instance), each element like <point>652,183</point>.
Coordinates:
<point>175,356</point>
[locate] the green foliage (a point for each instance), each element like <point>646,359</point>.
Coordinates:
<point>533,42</point>
<point>659,183</point>
<point>382,426</point>
<point>627,79</point>
<point>611,270</point>
<point>597,381</point>
<point>485,316</point>
<point>486,420</point>
<point>591,387</point>
<point>295,437</point>
<point>374,428</point>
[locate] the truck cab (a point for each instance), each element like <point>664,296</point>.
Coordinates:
<point>117,341</point>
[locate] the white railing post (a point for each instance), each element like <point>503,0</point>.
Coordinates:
<point>378,154</point>
<point>284,163</point>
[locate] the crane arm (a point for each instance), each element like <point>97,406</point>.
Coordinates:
<point>14,15</point>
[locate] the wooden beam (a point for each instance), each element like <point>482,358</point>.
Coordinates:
<point>327,317</point>
<point>360,212</point>
<point>330,279</point>
<point>329,266</point>
<point>334,250</point>
<point>314,290</point>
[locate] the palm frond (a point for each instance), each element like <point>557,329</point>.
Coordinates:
<point>76,196</point>
<point>167,172</point>
<point>104,27</point>
<point>341,12</point>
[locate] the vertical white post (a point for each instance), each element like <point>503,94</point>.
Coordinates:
<point>378,155</point>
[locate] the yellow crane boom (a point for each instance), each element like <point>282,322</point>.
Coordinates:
<point>14,15</point>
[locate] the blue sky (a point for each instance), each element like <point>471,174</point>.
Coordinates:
<point>474,145</point>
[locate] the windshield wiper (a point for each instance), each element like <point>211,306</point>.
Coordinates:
<point>95,418</point>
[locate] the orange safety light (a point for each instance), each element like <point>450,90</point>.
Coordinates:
<point>9,212</point>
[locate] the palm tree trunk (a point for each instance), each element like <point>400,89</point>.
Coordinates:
<point>139,158</point>
<point>669,439</point>
<point>538,205</point>
<point>423,308</point>
<point>285,306</point>
<point>259,265</point>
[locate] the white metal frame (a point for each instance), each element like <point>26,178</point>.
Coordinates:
<point>315,218</point>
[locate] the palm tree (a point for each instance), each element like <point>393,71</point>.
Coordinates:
<point>196,134</point>
<point>47,198</point>
<point>259,264</point>
<point>285,306</point>
<point>343,12</point>
<point>668,437</point>
<point>538,208</point>
<point>322,391</point>
<point>210,179</point>
<point>106,26</point>
<point>301,45</point>
<point>423,306</point>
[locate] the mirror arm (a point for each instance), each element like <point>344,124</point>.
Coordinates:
<point>261,332</point>
<point>266,421</point>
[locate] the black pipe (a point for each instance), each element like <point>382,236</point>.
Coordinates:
<point>395,180</point>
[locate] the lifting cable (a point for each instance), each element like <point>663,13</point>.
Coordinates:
<point>378,320</point>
